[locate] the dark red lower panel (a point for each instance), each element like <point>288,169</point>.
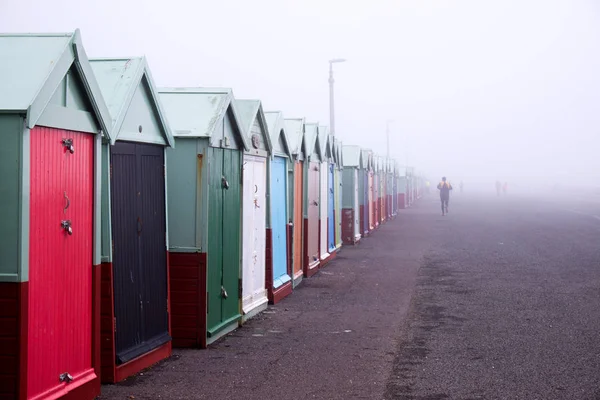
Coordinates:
<point>332,255</point>
<point>14,308</point>
<point>401,201</point>
<point>362,219</point>
<point>187,279</point>
<point>142,362</point>
<point>10,307</point>
<point>107,324</point>
<point>280,293</point>
<point>348,225</point>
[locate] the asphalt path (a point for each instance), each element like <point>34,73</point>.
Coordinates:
<point>500,299</point>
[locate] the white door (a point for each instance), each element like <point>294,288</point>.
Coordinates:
<point>260,231</point>
<point>253,253</point>
<point>323,212</point>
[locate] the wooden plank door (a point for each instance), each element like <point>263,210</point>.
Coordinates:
<point>278,220</point>
<point>231,228</point>
<point>356,206</point>
<point>153,252</point>
<point>323,208</point>
<point>331,208</point>
<point>139,248</point>
<point>248,225</point>
<point>259,292</point>
<point>298,216</point>
<point>313,213</point>
<point>60,265</point>
<point>215,241</point>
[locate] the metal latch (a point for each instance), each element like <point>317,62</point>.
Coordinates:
<point>224,293</point>
<point>68,143</point>
<point>66,225</point>
<point>65,377</point>
<point>224,183</point>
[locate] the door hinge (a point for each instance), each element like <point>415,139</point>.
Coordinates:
<point>115,323</point>
<point>239,288</point>
<point>110,170</point>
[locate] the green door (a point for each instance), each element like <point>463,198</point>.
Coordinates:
<point>223,240</point>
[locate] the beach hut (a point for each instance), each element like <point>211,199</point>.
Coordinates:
<point>52,119</point>
<point>278,249</point>
<point>338,189</point>
<point>351,195</point>
<point>376,191</point>
<point>364,190</point>
<point>204,206</point>
<point>135,331</point>
<point>331,220</point>
<point>390,189</point>
<point>402,187</point>
<point>382,190</point>
<point>326,206</point>
<point>295,132</point>
<point>255,207</point>
<point>312,170</point>
<point>395,205</point>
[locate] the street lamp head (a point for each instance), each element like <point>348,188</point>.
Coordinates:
<point>337,60</point>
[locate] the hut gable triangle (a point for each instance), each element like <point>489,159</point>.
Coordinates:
<point>35,65</point>
<point>132,100</point>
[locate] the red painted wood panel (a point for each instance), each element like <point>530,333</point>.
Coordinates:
<point>60,265</point>
<point>107,324</point>
<point>348,226</point>
<point>9,339</point>
<point>187,278</point>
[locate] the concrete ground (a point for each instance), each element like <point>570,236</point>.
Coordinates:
<point>498,300</point>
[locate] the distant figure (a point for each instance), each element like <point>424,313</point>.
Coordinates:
<point>444,188</point>
<point>505,187</point>
<point>461,186</point>
<point>498,187</point>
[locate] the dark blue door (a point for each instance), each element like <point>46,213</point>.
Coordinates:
<point>279,220</point>
<point>330,210</point>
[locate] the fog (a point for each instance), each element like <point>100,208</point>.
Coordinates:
<point>477,90</point>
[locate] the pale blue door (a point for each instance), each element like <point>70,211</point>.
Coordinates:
<point>279,221</point>
<point>330,212</point>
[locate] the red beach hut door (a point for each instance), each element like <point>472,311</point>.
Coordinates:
<point>60,261</point>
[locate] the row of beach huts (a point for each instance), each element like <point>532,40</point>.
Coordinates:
<point>137,219</point>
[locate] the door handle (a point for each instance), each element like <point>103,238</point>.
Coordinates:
<point>66,226</point>
<point>224,293</point>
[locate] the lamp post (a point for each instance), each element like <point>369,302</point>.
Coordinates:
<point>331,107</point>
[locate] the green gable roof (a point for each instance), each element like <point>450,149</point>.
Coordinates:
<point>196,112</point>
<point>34,65</point>
<point>278,133</point>
<point>119,79</point>
<point>311,140</point>
<point>295,132</point>
<point>251,111</point>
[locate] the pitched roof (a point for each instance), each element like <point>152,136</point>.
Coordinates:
<point>295,133</point>
<point>277,129</point>
<point>311,136</point>
<point>366,158</point>
<point>351,155</point>
<point>196,112</point>
<point>249,111</point>
<point>119,79</point>
<point>34,65</point>
<point>324,142</point>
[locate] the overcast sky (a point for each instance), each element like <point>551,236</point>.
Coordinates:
<point>476,88</point>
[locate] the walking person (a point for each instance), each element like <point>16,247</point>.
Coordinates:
<point>444,188</point>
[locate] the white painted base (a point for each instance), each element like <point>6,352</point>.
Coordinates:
<point>255,309</point>
<point>224,332</point>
